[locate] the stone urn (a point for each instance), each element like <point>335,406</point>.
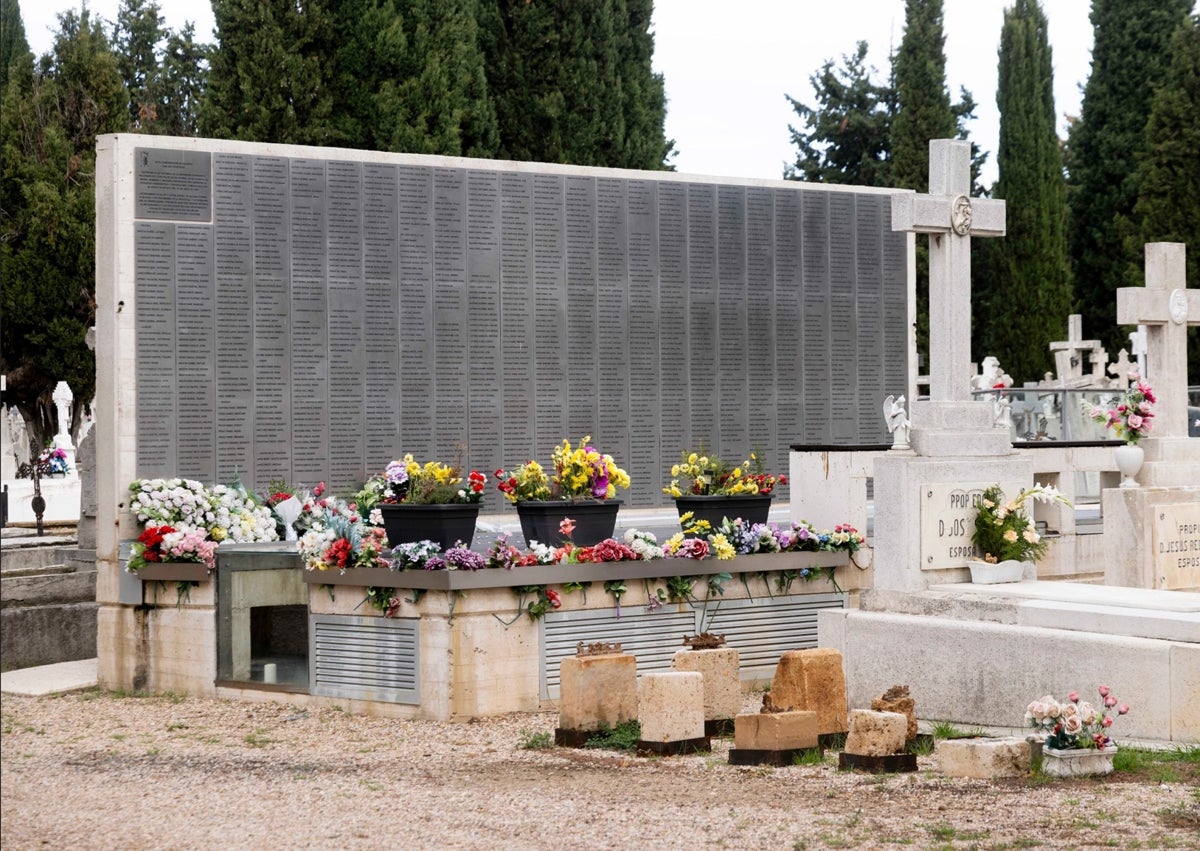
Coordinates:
<point>1078,762</point>
<point>1129,458</point>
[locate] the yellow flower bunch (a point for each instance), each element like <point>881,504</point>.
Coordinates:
<point>528,481</point>
<point>584,472</point>
<point>709,475</point>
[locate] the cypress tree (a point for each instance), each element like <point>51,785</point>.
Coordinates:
<point>13,44</point>
<point>48,131</point>
<point>1032,291</point>
<point>1130,59</point>
<point>135,40</point>
<point>849,128</point>
<point>269,78</point>
<point>1169,177</point>
<point>179,85</point>
<point>573,83</point>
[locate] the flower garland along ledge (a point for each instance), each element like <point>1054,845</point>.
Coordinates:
<point>699,552</point>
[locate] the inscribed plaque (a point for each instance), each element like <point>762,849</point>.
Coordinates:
<point>172,184</point>
<point>948,522</point>
<point>1176,546</point>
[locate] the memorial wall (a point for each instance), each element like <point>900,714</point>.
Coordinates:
<point>311,317</point>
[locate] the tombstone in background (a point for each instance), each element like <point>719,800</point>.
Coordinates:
<point>85,460</point>
<point>8,456</point>
<point>1152,533</point>
<point>1069,355</point>
<point>924,502</point>
<point>62,404</point>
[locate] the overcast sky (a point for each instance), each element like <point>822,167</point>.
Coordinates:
<point>728,65</point>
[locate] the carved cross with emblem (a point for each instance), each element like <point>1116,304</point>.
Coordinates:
<point>1167,307</point>
<point>951,217</point>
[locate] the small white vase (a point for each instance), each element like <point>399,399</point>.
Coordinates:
<point>987,573</point>
<point>1077,762</point>
<point>1129,458</point>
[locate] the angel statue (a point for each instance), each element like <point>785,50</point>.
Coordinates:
<point>897,421</point>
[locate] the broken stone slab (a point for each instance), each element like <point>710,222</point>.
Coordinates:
<point>811,680</point>
<point>595,693</point>
<point>876,733</point>
<point>983,758</point>
<point>897,699</point>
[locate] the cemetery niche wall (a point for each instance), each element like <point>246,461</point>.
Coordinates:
<point>309,314</point>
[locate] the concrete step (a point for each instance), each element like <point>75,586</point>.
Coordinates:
<point>48,588</point>
<point>26,559</point>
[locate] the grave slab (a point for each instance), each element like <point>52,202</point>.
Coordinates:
<point>775,731</point>
<point>812,680</point>
<point>983,759</point>
<point>876,733</point>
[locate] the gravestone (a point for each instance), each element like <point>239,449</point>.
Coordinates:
<point>1150,532</point>
<point>923,499</point>
<point>1069,356</point>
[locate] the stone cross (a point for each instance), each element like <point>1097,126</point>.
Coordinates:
<point>1068,354</point>
<point>1120,370</point>
<point>1166,307</point>
<point>951,217</point>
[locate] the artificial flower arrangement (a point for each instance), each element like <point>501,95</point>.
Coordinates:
<point>1003,531</point>
<point>158,544</point>
<point>337,537</point>
<point>582,472</point>
<point>407,481</point>
<point>225,512</point>
<point>1132,415</point>
<point>53,462</point>
<point>710,475</point>
<point>1075,724</point>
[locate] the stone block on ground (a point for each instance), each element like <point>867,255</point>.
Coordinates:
<point>597,691</point>
<point>876,733</point>
<point>722,680</point>
<point>811,680</point>
<point>671,706</point>
<point>775,731</point>
<point>983,758</point>
<point>897,699</point>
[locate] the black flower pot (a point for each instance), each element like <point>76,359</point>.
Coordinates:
<point>443,524</point>
<point>594,521</point>
<point>751,507</point>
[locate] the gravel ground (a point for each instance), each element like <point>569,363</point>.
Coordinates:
<point>99,770</point>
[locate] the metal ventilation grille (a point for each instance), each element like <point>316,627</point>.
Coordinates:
<point>651,637</point>
<point>760,629</point>
<point>364,658</point>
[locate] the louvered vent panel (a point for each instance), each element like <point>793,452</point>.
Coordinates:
<point>763,628</point>
<point>651,637</point>
<point>760,629</point>
<point>364,658</point>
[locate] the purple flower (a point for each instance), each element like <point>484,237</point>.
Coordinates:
<point>600,487</point>
<point>461,558</point>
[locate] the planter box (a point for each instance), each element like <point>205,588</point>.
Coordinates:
<point>1077,762</point>
<point>558,574</point>
<point>446,524</point>
<point>752,508</point>
<point>986,573</point>
<point>174,571</point>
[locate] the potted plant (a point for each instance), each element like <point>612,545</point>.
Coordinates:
<point>1077,740</point>
<point>582,486</point>
<point>1130,418</point>
<point>1005,536</point>
<point>715,490</point>
<point>430,501</point>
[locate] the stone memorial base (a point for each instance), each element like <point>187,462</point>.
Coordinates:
<point>1152,537</point>
<point>671,713</point>
<point>61,495</point>
<point>773,738</point>
<point>722,685</point>
<point>888,764</point>
<point>812,680</point>
<point>978,654</point>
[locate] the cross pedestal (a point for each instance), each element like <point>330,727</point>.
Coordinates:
<point>923,501</point>
<point>1150,532</point>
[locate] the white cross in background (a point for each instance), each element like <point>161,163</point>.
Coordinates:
<point>1068,354</point>
<point>1166,307</point>
<point>951,217</point>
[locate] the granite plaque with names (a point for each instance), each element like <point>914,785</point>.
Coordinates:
<point>173,185</point>
<point>328,314</point>
<point>1176,546</point>
<point>948,522</point>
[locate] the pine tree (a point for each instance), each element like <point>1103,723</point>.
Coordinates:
<point>1168,208</point>
<point>1031,298</point>
<point>1130,57</point>
<point>923,112</point>
<point>179,85</point>
<point>48,131</point>
<point>849,128</point>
